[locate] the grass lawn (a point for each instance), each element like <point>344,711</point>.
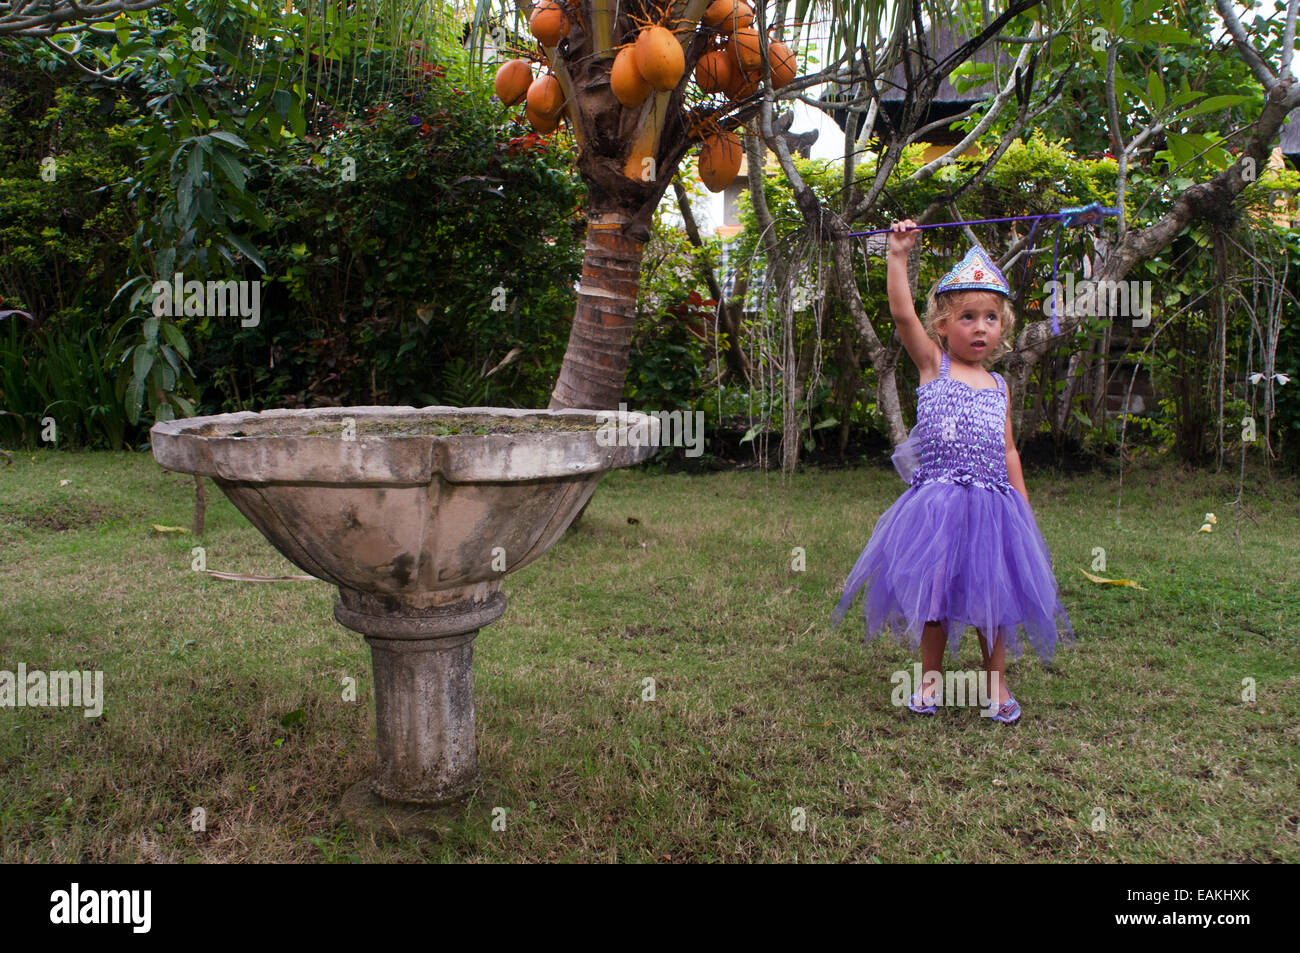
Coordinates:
<point>228,696</point>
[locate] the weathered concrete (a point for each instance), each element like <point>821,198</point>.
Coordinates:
<point>417,530</point>
<point>361,807</point>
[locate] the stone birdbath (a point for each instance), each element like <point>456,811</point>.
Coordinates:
<point>416,515</point>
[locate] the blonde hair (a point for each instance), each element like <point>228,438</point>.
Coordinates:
<point>938,307</point>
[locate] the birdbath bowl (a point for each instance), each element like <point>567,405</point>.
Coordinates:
<point>416,515</point>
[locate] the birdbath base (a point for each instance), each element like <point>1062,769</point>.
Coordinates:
<point>423,661</point>
<point>365,810</point>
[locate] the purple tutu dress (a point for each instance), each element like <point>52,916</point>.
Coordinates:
<point>961,546</point>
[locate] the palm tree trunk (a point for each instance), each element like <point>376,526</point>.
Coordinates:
<point>594,370</point>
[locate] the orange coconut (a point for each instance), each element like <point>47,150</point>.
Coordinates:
<point>743,84</point>
<point>719,160</point>
<point>718,11</point>
<point>740,15</point>
<point>545,97</point>
<point>783,64</point>
<point>659,57</point>
<point>512,82</point>
<point>629,86</point>
<point>744,46</point>
<point>541,123</point>
<point>714,71</point>
<point>548,22</point>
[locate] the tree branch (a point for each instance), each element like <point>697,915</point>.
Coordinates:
<point>1239,39</point>
<point>1197,202</point>
<point>1000,100</point>
<point>42,18</point>
<point>1288,40</point>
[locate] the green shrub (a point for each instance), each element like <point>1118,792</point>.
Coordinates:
<point>411,247</point>
<point>63,248</point>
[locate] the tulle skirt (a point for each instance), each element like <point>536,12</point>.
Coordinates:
<point>962,555</point>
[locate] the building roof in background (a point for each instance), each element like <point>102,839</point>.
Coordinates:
<point>1291,134</point>
<point>947,101</point>
<point>942,45</point>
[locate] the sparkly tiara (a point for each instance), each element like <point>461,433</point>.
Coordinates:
<point>975,272</point>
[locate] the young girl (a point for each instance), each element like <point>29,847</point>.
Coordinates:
<point>961,546</point>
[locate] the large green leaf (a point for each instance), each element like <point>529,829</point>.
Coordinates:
<point>164,377</point>
<point>248,250</point>
<point>1159,33</point>
<point>229,138</point>
<point>134,397</point>
<point>1156,90</point>
<point>141,363</point>
<point>1215,104</point>
<point>176,339</point>
<point>230,168</point>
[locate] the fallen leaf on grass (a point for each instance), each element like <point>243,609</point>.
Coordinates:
<point>168,529</point>
<point>1113,582</point>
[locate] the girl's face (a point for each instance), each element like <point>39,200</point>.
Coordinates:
<point>973,325</point>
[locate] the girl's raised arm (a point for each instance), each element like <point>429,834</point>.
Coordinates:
<point>924,352</point>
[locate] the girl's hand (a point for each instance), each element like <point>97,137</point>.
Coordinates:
<point>902,237</point>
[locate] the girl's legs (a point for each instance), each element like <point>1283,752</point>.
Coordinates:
<point>933,642</point>
<point>995,662</point>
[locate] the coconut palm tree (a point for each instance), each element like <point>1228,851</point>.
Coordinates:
<point>628,156</point>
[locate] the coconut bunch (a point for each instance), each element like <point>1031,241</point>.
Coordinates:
<point>542,96</point>
<point>655,62</point>
<point>734,65</point>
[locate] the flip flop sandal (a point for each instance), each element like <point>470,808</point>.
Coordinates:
<point>1008,712</point>
<point>918,706</point>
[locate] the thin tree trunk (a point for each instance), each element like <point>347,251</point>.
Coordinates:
<point>803,367</point>
<point>846,388</point>
<point>1100,377</point>
<point>731,316</point>
<point>200,507</point>
<point>728,312</point>
<point>778,274</point>
<point>792,386</point>
<point>1078,367</point>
